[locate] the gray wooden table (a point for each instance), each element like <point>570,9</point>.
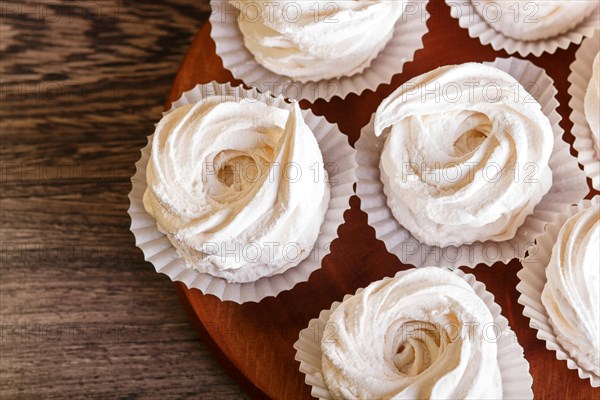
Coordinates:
<point>82,315</point>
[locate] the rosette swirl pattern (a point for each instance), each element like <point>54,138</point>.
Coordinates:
<point>235,185</point>
<point>466,154</point>
<point>572,292</point>
<point>418,335</point>
<point>311,41</point>
<point>534,20</point>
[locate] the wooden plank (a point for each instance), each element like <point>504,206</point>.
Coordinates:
<point>82,315</point>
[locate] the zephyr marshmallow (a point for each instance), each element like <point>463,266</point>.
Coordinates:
<point>572,291</point>
<point>420,335</point>
<point>237,186</point>
<point>312,41</point>
<point>466,154</point>
<point>529,20</point>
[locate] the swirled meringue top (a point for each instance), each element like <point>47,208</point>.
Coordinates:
<point>312,41</point>
<point>232,184</point>
<point>572,292</point>
<point>592,103</point>
<point>529,20</point>
<point>466,154</point>
<point>419,335</point>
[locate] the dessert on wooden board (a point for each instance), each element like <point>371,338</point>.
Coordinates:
<point>190,209</point>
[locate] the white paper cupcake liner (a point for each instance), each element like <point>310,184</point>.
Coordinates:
<point>581,73</point>
<point>533,279</point>
<point>569,187</point>
<point>162,254</point>
<point>406,40</point>
<point>469,18</point>
<point>514,368</point>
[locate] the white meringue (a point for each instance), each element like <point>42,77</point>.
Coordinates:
<point>312,41</point>
<point>423,334</point>
<point>530,20</point>
<point>466,154</point>
<point>238,186</point>
<point>572,291</point>
<point>592,103</point>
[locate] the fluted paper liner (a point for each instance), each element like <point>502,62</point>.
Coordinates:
<point>406,40</point>
<point>468,18</point>
<point>568,187</point>
<point>162,254</point>
<point>581,73</point>
<point>533,279</point>
<point>514,368</point>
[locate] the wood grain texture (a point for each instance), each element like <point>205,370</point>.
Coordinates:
<point>255,340</point>
<point>82,315</point>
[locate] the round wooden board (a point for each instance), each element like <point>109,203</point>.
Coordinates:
<point>254,341</point>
